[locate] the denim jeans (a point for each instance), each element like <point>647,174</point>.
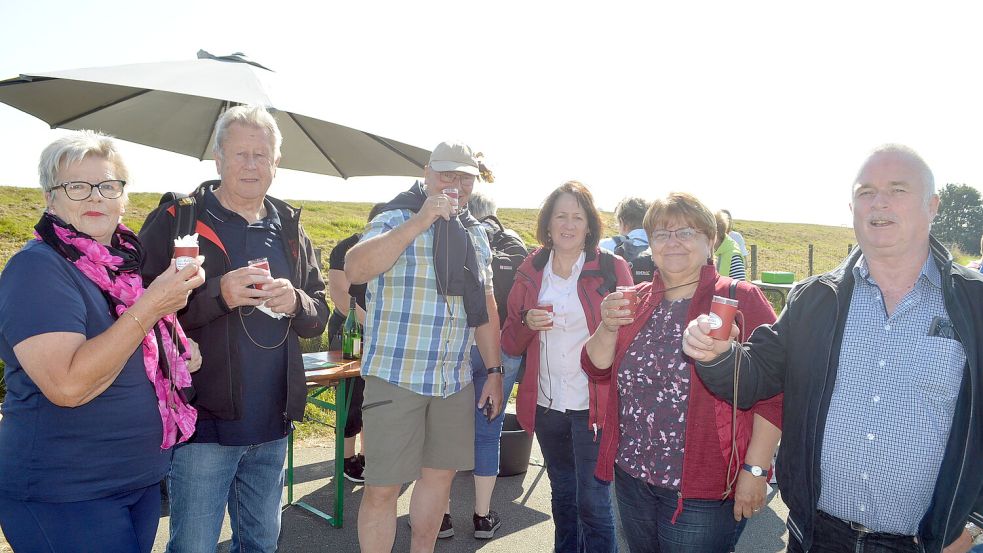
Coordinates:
<point>207,478</point>
<point>582,514</point>
<point>646,511</point>
<point>124,523</point>
<point>486,434</point>
<point>833,536</point>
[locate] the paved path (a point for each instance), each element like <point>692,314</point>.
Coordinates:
<point>523,502</point>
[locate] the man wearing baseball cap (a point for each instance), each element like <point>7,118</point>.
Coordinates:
<point>427,265</point>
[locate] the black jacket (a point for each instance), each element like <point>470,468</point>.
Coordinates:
<point>210,322</point>
<point>799,355</point>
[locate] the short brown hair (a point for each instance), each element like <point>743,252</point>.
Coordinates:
<point>586,202</point>
<point>680,205</point>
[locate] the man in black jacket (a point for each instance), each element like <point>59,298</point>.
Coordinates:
<point>248,321</point>
<point>881,368</point>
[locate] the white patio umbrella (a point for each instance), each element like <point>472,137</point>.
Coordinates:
<point>174,105</point>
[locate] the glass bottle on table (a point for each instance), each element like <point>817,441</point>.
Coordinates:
<point>351,335</point>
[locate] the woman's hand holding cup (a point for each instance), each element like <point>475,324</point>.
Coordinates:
<point>700,346</point>
<point>618,308</point>
<point>540,318</point>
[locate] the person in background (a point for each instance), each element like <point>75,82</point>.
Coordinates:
<point>729,262</point>
<point>341,292</point>
<point>677,450</point>
<point>738,237</point>
<point>430,297</point>
<point>251,385</point>
<point>508,251</point>
<point>882,372</point>
<point>632,244</point>
<point>92,362</point>
<point>556,400</point>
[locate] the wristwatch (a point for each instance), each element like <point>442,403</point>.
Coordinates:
<point>975,532</point>
<point>755,470</point>
<point>499,369</point>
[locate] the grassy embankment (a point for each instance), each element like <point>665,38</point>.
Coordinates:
<point>781,246</point>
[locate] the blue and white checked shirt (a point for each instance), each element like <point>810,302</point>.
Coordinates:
<point>414,337</point>
<point>892,406</point>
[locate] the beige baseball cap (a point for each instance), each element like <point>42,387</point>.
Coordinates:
<point>454,156</point>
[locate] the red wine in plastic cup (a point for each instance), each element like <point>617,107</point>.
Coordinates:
<point>631,294</point>
<point>260,263</point>
<point>547,306</point>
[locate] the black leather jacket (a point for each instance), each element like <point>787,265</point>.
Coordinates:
<point>209,321</point>
<point>799,355</point>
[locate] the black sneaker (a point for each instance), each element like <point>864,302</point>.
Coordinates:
<point>446,526</point>
<point>354,469</point>
<point>485,526</point>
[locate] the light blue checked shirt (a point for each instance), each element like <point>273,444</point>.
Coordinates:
<point>892,406</point>
<point>414,337</point>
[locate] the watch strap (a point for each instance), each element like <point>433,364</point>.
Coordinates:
<point>499,370</point>
<point>755,470</point>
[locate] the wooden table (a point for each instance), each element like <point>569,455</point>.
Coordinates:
<point>780,290</point>
<point>324,370</point>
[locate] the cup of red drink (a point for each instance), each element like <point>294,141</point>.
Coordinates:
<point>722,313</point>
<point>455,198</point>
<point>631,294</point>
<point>548,307</point>
<point>185,250</point>
<point>260,263</point>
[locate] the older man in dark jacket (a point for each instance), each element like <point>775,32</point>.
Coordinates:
<point>883,379</point>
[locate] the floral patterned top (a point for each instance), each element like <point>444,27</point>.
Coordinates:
<point>653,388</point>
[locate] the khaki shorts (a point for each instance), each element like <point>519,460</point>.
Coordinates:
<point>405,431</point>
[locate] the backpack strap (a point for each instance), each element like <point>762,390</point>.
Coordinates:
<point>732,292</point>
<point>185,216</point>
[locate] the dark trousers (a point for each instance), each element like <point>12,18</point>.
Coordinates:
<point>582,513</point>
<point>125,522</point>
<point>832,535</point>
<point>646,511</point>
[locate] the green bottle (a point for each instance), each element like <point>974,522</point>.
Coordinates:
<point>351,335</point>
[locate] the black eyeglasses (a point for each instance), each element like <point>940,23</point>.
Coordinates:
<point>79,190</point>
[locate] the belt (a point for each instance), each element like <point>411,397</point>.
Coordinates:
<point>863,531</point>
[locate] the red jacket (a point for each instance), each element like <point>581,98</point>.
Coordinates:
<point>517,338</point>
<point>708,420</point>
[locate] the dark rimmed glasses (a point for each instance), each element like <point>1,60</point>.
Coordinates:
<point>448,177</point>
<point>79,190</point>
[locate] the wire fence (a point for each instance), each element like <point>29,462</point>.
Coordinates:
<point>804,261</point>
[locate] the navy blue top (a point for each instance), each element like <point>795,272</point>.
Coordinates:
<point>264,371</point>
<point>58,454</point>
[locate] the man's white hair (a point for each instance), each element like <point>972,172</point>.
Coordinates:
<point>249,116</point>
<point>928,179</point>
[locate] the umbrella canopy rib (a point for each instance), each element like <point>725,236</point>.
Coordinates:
<point>222,106</point>
<point>78,116</point>
<point>318,146</point>
<point>395,150</point>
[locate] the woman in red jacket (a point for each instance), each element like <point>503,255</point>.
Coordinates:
<point>687,477</point>
<point>556,400</point>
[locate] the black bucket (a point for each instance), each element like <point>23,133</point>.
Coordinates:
<point>516,447</point>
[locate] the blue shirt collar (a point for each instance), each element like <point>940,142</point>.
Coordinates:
<point>930,272</point>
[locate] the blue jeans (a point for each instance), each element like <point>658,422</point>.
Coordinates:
<point>125,522</point>
<point>646,511</point>
<point>582,514</point>
<point>486,434</point>
<point>832,535</point>
<point>205,478</point>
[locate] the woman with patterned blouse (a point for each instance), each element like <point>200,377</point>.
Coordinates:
<point>686,476</point>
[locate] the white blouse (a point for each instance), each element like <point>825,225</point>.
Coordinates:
<point>562,383</point>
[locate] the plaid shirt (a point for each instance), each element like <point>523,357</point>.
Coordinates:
<point>892,406</point>
<point>414,337</point>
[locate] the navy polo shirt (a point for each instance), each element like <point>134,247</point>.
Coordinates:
<point>263,363</point>
<point>107,446</point>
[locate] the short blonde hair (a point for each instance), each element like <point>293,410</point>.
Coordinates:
<point>680,206</point>
<point>73,148</point>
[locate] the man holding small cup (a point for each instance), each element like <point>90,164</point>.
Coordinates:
<point>880,364</point>
<point>264,291</point>
<point>424,258</point>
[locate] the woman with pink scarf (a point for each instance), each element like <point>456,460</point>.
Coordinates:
<point>94,366</point>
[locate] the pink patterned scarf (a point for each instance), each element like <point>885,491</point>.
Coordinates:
<point>115,269</point>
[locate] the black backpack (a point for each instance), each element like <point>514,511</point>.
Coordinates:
<point>185,212</point>
<point>639,258</point>
<point>508,252</point>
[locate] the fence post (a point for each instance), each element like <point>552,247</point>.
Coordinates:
<point>754,262</point>
<point>849,248</point>
<point>811,249</point>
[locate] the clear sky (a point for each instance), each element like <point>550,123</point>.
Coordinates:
<point>766,108</point>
